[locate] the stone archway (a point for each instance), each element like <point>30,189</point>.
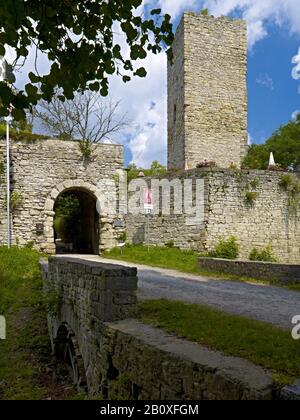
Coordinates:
<point>107,234</point>
<point>76,222</point>
<point>67,350</point>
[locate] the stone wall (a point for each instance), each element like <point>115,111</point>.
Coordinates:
<point>176,112</point>
<point>149,364</point>
<point>282,273</point>
<point>86,295</point>
<point>122,358</point>
<point>207,99</point>
<point>44,169</point>
<point>268,219</point>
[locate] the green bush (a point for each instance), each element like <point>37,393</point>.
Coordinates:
<point>122,237</point>
<point>251,197</point>
<point>284,144</point>
<point>228,250</point>
<point>86,149</point>
<point>170,244</point>
<point>16,200</point>
<point>291,184</point>
<point>20,135</point>
<point>67,216</point>
<point>265,255</point>
<point>20,279</point>
<point>285,181</point>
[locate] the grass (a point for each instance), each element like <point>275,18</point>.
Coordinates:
<point>20,281</point>
<point>27,371</point>
<point>172,258</point>
<point>258,342</point>
<point>176,259</point>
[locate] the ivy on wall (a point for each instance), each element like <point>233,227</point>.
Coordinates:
<point>291,184</point>
<point>16,200</point>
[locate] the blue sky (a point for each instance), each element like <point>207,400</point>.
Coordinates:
<point>272,92</point>
<point>273,40</point>
<point>273,95</point>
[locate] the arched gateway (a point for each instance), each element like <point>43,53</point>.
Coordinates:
<point>46,171</point>
<point>81,233</point>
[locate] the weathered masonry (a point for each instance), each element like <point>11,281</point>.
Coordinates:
<point>43,170</point>
<point>207,93</point>
<point>207,120</point>
<point>250,205</point>
<point>93,329</point>
<point>284,274</point>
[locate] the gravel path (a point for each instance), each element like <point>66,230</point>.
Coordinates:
<point>274,305</point>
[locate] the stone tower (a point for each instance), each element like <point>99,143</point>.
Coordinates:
<point>207,92</point>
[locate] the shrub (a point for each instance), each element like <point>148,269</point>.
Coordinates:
<point>275,168</point>
<point>251,197</point>
<point>16,200</point>
<point>254,183</point>
<point>228,250</point>
<point>29,245</point>
<point>86,149</point>
<point>291,184</point>
<point>233,166</point>
<point>265,254</point>
<point>122,237</point>
<point>170,244</point>
<point>285,181</point>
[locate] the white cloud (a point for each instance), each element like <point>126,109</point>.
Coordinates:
<point>176,7</point>
<point>259,13</point>
<point>150,143</point>
<point>296,73</point>
<point>250,139</point>
<point>295,114</point>
<point>296,69</point>
<point>144,100</point>
<point>266,81</point>
<point>147,136</point>
<point>145,103</point>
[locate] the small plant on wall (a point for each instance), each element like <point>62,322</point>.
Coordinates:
<point>291,184</point>
<point>275,168</point>
<point>265,255</point>
<point>86,149</point>
<point>251,197</point>
<point>16,201</point>
<point>2,170</point>
<point>122,237</point>
<point>254,183</point>
<point>233,167</point>
<point>207,164</point>
<point>229,249</point>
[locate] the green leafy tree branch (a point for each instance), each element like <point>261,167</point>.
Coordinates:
<point>78,39</point>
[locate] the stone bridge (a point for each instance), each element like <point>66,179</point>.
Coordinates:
<point>110,353</point>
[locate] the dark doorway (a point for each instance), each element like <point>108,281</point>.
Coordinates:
<point>76,223</point>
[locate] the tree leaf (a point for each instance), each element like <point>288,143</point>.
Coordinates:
<point>141,72</point>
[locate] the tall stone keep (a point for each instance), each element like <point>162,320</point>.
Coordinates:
<point>207,92</point>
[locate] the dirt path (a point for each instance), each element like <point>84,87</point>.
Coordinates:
<point>274,305</point>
